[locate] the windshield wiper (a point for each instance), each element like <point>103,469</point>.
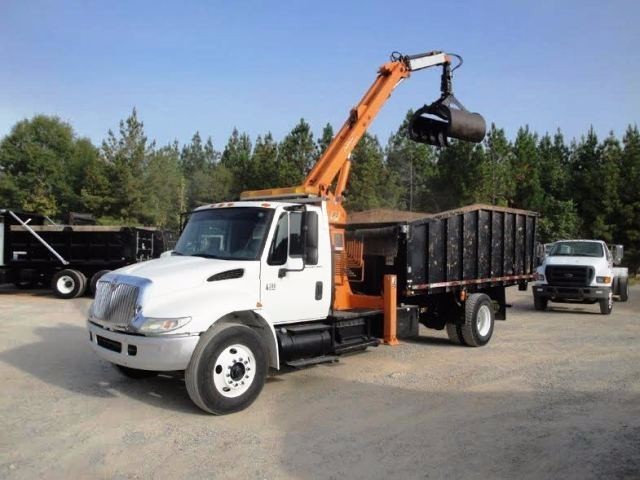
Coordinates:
<point>177,253</point>
<point>205,255</point>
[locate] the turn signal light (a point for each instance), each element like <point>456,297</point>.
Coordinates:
<point>603,279</point>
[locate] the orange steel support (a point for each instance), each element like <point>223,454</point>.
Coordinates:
<point>390,310</point>
<point>335,163</point>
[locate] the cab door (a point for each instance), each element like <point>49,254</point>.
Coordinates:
<point>292,290</point>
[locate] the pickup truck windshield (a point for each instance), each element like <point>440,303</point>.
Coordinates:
<point>236,233</point>
<point>576,249</point>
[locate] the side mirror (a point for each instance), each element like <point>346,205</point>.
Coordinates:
<point>310,233</point>
<point>539,254</point>
<point>618,253</point>
<point>295,264</point>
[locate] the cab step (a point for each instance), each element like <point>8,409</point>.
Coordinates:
<point>305,362</point>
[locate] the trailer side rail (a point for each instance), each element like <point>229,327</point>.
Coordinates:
<point>475,281</point>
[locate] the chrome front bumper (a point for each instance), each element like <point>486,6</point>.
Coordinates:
<point>162,353</point>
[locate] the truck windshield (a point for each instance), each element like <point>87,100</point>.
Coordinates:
<point>576,249</point>
<point>236,233</point>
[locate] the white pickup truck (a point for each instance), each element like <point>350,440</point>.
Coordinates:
<point>581,271</point>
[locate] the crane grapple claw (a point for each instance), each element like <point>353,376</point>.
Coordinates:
<point>434,124</point>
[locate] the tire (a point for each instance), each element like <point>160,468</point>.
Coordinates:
<point>94,281</point>
<point>479,320</point>
<point>454,332</point>
<point>606,304</point>
<point>227,369</point>
<point>134,372</point>
<point>624,289</point>
<point>68,284</point>
<point>540,303</point>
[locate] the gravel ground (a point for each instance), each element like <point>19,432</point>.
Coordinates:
<point>554,395</point>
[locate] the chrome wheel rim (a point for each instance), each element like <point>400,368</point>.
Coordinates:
<point>234,371</point>
<point>483,320</point>
<point>65,284</point>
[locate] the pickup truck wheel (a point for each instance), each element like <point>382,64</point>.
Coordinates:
<point>478,320</point>
<point>454,332</point>
<point>540,303</point>
<point>134,372</point>
<point>227,370</point>
<point>68,284</point>
<point>606,304</point>
<point>624,289</point>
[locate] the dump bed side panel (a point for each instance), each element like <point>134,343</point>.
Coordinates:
<point>476,246</point>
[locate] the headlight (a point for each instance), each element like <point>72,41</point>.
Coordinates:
<point>162,325</point>
<point>603,279</point>
<point>538,277</point>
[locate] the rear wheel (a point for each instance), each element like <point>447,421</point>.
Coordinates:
<point>606,304</point>
<point>454,333</point>
<point>94,280</point>
<point>227,370</point>
<point>134,372</point>
<point>624,289</point>
<point>478,320</point>
<point>68,283</point>
<point>540,303</point>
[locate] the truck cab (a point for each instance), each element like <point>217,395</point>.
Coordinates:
<point>580,271</point>
<point>248,265</point>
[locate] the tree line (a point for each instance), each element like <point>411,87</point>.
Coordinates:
<point>585,188</point>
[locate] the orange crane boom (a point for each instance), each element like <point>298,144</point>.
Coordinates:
<point>332,169</point>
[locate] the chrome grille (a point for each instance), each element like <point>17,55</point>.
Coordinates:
<point>569,275</point>
<point>115,303</point>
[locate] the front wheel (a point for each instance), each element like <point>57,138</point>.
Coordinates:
<point>227,370</point>
<point>606,305</point>
<point>478,320</point>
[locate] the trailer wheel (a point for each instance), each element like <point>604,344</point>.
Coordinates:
<point>624,289</point>
<point>134,372</point>
<point>227,369</point>
<point>454,332</point>
<point>540,303</point>
<point>606,304</point>
<point>68,283</point>
<point>478,320</point>
<point>93,284</point>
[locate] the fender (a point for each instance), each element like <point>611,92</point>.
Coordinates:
<point>262,326</point>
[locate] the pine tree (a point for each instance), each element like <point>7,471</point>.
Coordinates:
<point>236,158</point>
<point>128,153</point>
<point>368,184</point>
<point>413,170</point>
<point>325,139</point>
<point>629,227</point>
<point>296,155</point>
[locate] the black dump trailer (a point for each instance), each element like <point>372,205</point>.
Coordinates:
<point>452,268</point>
<point>70,258</point>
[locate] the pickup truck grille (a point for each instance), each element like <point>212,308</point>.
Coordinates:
<point>569,275</point>
<point>115,303</point>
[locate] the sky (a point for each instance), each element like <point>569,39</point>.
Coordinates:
<point>210,66</point>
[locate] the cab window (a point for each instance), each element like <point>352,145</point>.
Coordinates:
<point>287,240</point>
